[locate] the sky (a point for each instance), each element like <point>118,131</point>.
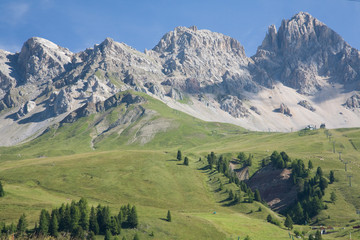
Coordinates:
<point>79,24</point>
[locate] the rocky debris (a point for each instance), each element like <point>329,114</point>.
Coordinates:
<point>61,102</point>
<point>113,101</point>
<point>175,94</point>
<point>307,105</point>
<point>284,109</point>
<point>302,53</point>
<point>255,109</point>
<point>353,101</point>
<point>25,109</point>
<point>234,107</point>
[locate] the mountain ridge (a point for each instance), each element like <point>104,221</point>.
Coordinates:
<point>203,73</point>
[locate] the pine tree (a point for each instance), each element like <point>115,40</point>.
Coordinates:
<point>107,235</point>
<point>288,222</point>
<point>22,224</point>
<point>186,161</point>
<point>242,156</point>
<point>332,177</point>
<point>310,165</point>
<point>333,197</point>
<point>93,224</point>
<point>168,217</point>
<point>132,218</point>
<point>319,172</point>
<point>231,195</point>
<point>179,157</point>
<point>269,218</point>
<point>2,193</point>
<point>74,214</point>
<point>53,226</point>
<point>84,214</point>
<point>257,195</point>
<point>44,221</point>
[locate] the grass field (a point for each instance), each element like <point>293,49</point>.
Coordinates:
<point>61,166</point>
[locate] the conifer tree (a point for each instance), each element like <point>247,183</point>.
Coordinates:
<point>231,195</point>
<point>333,197</point>
<point>53,226</point>
<point>93,224</point>
<point>168,217</point>
<point>132,218</point>
<point>44,221</point>
<point>22,224</point>
<point>2,193</point>
<point>107,235</point>
<point>310,165</point>
<point>332,177</point>
<point>84,214</point>
<point>257,195</point>
<point>179,157</point>
<point>186,161</point>
<point>288,222</point>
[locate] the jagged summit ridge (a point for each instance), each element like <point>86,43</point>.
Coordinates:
<point>303,61</point>
<point>303,52</point>
<point>41,59</point>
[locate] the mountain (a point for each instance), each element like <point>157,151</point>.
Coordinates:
<point>303,73</point>
<point>305,54</point>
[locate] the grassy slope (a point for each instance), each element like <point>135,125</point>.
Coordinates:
<point>117,173</point>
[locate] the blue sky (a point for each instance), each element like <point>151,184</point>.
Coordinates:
<point>79,24</point>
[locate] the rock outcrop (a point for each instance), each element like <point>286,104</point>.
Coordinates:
<point>306,105</point>
<point>353,102</point>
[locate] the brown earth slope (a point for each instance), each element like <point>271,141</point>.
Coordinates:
<point>275,186</point>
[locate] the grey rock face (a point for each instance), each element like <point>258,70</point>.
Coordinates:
<point>353,102</point>
<point>25,109</point>
<point>202,57</point>
<point>42,60</point>
<point>234,107</point>
<point>306,105</point>
<point>302,53</point>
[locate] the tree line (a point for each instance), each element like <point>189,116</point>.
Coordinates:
<point>76,219</point>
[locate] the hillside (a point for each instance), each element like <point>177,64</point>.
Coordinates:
<point>127,164</point>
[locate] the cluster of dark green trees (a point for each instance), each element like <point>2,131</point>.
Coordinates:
<point>244,160</point>
<point>310,190</point>
<point>76,219</point>
<point>222,165</point>
<point>179,158</point>
<point>309,202</point>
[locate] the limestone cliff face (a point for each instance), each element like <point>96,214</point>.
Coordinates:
<point>305,54</point>
<point>202,61</point>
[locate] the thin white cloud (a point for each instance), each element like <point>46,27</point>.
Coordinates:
<point>15,12</point>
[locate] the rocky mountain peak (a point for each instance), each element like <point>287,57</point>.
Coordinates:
<point>41,59</point>
<point>183,38</point>
<point>303,52</point>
